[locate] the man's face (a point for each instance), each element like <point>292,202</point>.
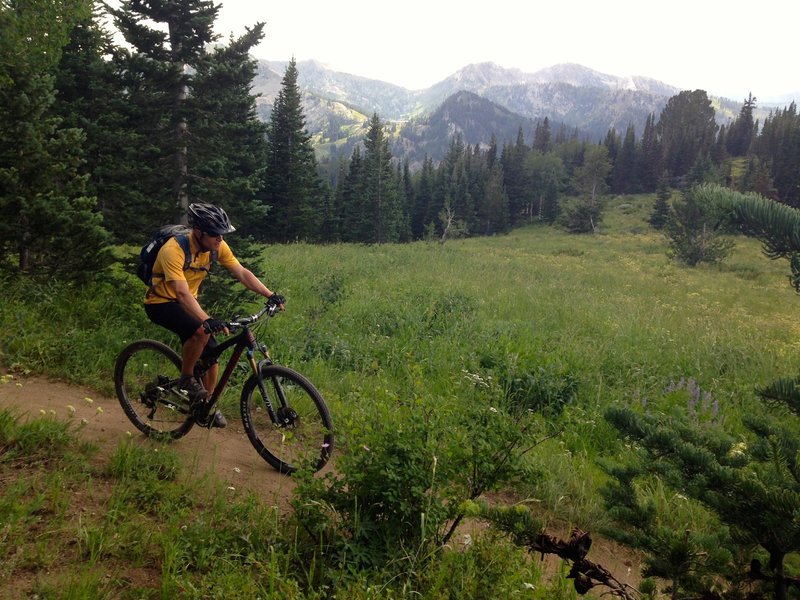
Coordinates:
<point>210,241</point>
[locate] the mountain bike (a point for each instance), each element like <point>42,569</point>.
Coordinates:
<point>285,417</point>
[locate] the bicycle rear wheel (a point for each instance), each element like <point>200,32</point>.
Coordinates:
<point>303,436</point>
<point>145,375</point>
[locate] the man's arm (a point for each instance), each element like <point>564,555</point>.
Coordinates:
<point>185,299</point>
<point>250,281</point>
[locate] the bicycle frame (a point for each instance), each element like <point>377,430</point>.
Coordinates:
<point>241,342</point>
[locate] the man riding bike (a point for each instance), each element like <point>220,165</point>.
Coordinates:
<point>171,301</point>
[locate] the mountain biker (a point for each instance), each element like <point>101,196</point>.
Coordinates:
<point>171,301</point>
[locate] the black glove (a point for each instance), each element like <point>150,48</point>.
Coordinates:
<point>276,299</point>
<point>214,325</point>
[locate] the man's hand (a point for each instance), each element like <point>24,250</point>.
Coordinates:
<point>277,300</point>
<point>211,325</point>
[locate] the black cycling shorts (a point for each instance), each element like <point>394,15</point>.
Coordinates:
<point>170,315</point>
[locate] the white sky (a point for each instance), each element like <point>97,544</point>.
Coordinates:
<point>723,47</point>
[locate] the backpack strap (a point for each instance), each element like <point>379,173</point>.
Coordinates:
<point>183,242</point>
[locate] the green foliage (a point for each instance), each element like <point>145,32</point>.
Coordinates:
<point>585,213</point>
<point>749,485</point>
<point>694,230</point>
<point>687,130</point>
<point>293,189</point>
<point>659,217</point>
<point>49,226</point>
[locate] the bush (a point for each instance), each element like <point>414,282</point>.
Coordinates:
<point>694,229</point>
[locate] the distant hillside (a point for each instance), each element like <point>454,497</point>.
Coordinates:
<point>466,114</point>
<point>337,105</point>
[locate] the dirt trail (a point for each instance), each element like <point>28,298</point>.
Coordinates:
<point>222,454</point>
<point>225,454</point>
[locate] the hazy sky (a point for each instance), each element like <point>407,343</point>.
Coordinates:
<point>726,48</point>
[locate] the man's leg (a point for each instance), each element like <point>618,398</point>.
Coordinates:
<point>210,379</point>
<point>192,349</point>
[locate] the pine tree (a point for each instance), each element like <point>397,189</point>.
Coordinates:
<point>623,173</point>
<point>158,75</point>
<point>742,130</point>
<point>541,136</point>
<point>228,147</point>
<point>293,188</point>
<point>355,220</point>
<point>493,210</point>
<point>89,97</point>
<point>694,230</point>
<point>778,146</point>
<point>589,180</point>
<point>421,212</point>
<point>661,208</point>
<point>650,159</point>
<point>687,129</point>
<point>49,227</point>
<point>547,177</point>
<point>380,187</point>
<point>513,161</point>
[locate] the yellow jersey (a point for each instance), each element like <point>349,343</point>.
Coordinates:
<point>169,267</point>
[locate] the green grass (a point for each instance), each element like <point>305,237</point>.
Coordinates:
<point>398,332</point>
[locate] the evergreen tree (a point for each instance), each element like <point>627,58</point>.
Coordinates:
<point>228,142</point>
<point>89,97</point>
<point>623,173</point>
<point>742,130</point>
<point>661,209</point>
<point>694,230</point>
<point>589,180</point>
<point>778,146</point>
<point>541,136</point>
<point>158,74</point>
<point>687,129</point>
<point>493,210</point>
<point>513,162</point>
<point>650,159</point>
<point>380,187</point>
<point>49,226</point>
<point>351,198</point>
<point>423,199</point>
<point>758,179</point>
<point>293,188</point>
<point>547,177</point>
<point>612,144</point>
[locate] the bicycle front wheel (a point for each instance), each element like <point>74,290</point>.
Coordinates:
<point>302,435</point>
<point>146,377</point>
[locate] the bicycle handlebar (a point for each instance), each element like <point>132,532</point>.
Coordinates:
<point>269,309</point>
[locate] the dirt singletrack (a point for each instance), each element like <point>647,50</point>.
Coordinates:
<point>223,454</point>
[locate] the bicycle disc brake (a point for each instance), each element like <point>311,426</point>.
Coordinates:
<point>286,416</point>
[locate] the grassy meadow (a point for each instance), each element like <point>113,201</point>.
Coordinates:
<point>414,347</point>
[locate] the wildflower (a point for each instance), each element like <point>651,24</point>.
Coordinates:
<point>42,411</point>
<point>99,409</point>
<point>493,409</point>
<point>19,385</point>
<point>84,421</point>
<point>365,448</point>
<point>70,408</point>
<point>528,586</point>
<point>237,470</point>
<point>88,400</point>
<point>128,433</point>
<point>231,488</point>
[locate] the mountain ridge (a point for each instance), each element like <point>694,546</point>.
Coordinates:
<point>337,105</point>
